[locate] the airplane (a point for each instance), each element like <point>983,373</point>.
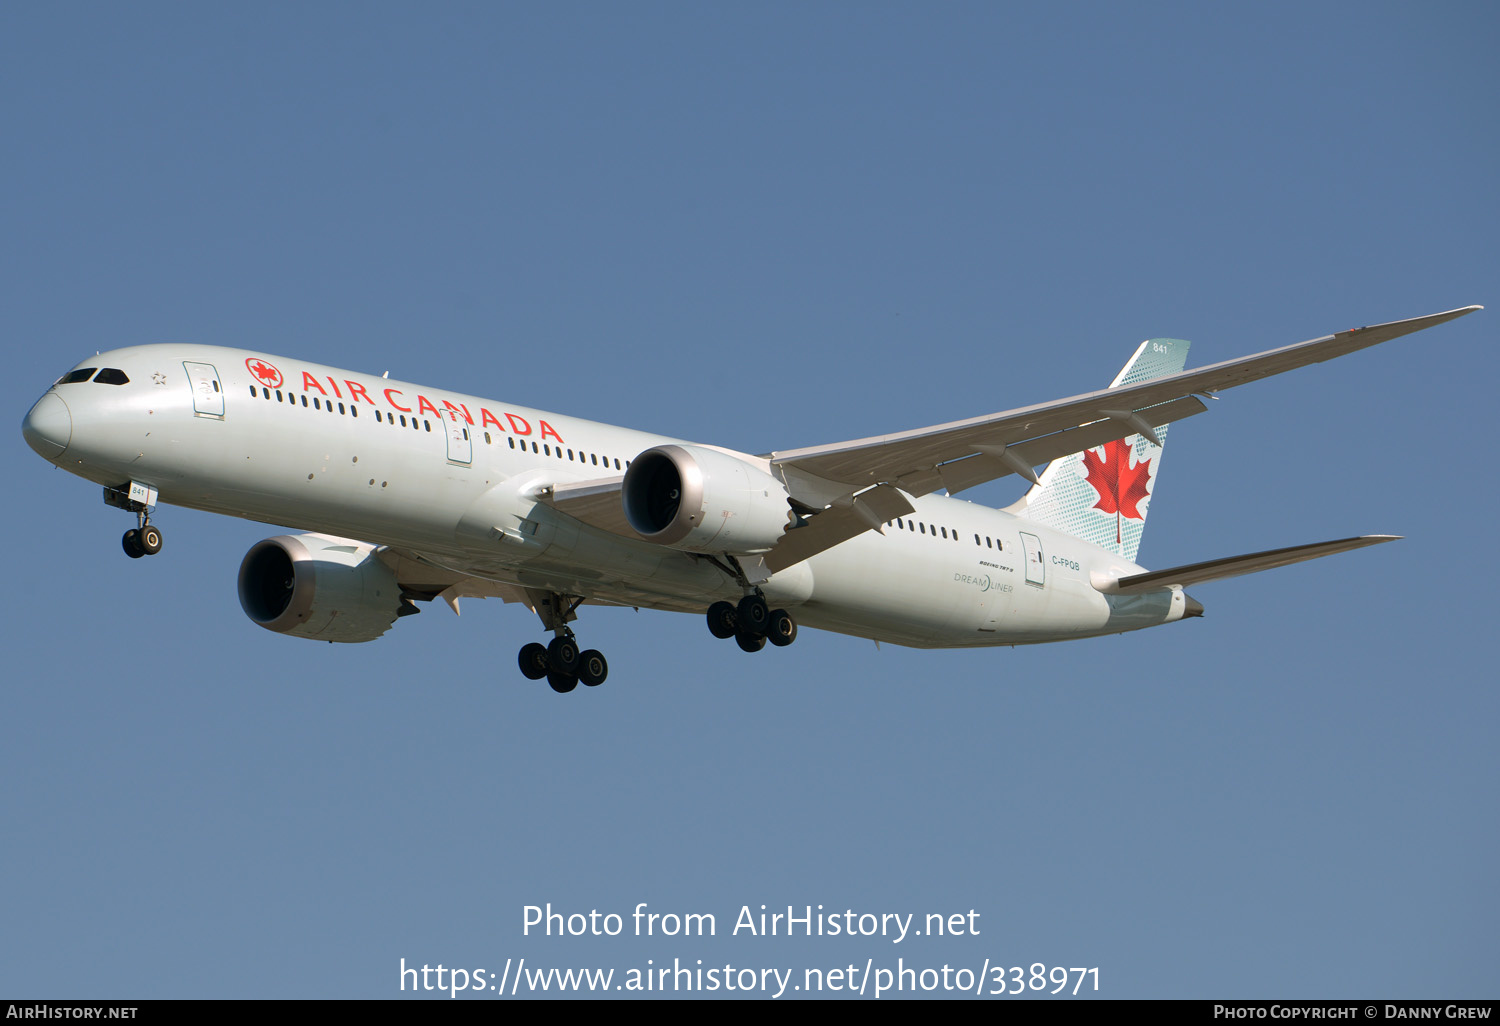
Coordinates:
<point>409,493</point>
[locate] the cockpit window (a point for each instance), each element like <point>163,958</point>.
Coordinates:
<point>73,377</point>
<point>111,376</point>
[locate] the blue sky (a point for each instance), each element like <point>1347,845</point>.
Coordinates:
<point>767,228</point>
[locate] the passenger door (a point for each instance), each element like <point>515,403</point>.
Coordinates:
<point>460,439</point>
<point>208,394</point>
<point>1036,570</point>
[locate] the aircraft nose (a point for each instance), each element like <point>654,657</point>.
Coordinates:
<point>49,426</point>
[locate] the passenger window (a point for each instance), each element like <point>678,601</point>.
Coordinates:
<point>594,457</point>
<point>923,528</point>
<point>278,395</point>
<point>304,400</point>
<point>403,420</point>
<point>315,403</point>
<point>512,442</point>
<point>341,409</point>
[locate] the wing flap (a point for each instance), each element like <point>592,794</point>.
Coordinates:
<point>1234,566</point>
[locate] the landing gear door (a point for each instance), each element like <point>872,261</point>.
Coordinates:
<point>460,439</point>
<point>1036,570</point>
<point>208,393</point>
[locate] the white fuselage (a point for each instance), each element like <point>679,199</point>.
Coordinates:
<point>455,478</point>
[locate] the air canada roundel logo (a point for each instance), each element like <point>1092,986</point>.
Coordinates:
<point>264,373</point>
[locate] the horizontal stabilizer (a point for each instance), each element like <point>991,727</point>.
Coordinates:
<point>1234,566</point>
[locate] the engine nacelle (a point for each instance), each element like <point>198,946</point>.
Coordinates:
<point>313,586</point>
<point>702,500</point>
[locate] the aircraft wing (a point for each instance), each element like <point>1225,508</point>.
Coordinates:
<point>1234,566</point>
<point>596,503</point>
<point>855,486</point>
<point>420,577</point>
<point>920,461</point>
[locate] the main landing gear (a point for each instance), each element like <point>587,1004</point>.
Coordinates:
<point>559,660</point>
<point>752,623</point>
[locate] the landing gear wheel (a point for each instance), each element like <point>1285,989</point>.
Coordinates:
<point>150,540</point>
<point>782,630</point>
<point>592,669</point>
<point>753,614</point>
<point>562,683</point>
<point>722,620</point>
<point>533,661</point>
<point>750,642</point>
<point>131,543</point>
<point>562,658</point>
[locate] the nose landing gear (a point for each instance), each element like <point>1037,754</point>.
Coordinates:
<point>143,539</point>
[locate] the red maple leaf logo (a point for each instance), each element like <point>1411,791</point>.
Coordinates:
<point>1120,486</point>
<point>264,372</point>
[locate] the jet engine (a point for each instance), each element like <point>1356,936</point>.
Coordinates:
<point>702,500</point>
<point>315,586</point>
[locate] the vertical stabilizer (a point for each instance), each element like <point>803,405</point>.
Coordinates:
<point>1101,495</point>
